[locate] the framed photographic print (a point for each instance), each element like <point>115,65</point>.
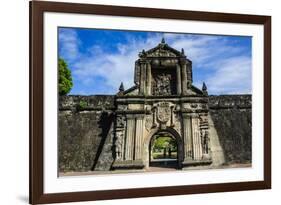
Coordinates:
<point>139,102</point>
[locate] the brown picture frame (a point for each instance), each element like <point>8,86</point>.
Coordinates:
<point>37,9</point>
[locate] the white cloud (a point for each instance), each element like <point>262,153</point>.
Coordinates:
<point>69,44</point>
<point>114,68</point>
<point>231,76</point>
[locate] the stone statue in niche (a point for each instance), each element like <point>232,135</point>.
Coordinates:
<point>205,141</point>
<point>118,145</point>
<point>162,85</point>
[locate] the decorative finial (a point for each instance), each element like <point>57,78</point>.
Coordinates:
<point>163,40</point>
<point>121,88</point>
<point>204,89</point>
<point>182,51</point>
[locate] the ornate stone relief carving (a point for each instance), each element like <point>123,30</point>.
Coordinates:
<point>161,52</point>
<point>163,112</point>
<point>193,105</point>
<point>204,133</point>
<point>205,141</point>
<point>162,84</point>
<point>120,121</point>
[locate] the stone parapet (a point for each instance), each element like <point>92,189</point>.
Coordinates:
<point>230,101</point>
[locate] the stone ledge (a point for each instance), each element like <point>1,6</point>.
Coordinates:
<point>190,163</point>
<point>128,164</point>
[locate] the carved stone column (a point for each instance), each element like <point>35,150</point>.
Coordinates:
<point>184,77</point>
<point>178,79</point>
<point>187,137</point>
<point>130,136</point>
<point>148,78</point>
<point>139,138</point>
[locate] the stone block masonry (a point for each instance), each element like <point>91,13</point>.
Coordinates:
<point>86,140</point>
<point>232,118</point>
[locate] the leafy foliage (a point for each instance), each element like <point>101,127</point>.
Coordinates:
<point>65,79</point>
<point>165,142</point>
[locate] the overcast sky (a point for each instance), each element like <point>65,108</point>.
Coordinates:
<point>101,59</point>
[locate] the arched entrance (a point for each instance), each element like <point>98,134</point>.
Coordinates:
<point>165,150</point>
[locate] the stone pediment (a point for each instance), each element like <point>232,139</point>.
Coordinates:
<point>162,50</point>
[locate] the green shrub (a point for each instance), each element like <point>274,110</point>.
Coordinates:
<point>82,105</point>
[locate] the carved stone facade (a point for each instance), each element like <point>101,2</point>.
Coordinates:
<point>163,100</point>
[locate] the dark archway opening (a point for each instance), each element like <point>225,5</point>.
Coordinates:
<point>163,151</point>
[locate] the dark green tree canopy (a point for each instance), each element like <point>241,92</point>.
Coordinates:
<point>65,79</point>
<point>162,142</point>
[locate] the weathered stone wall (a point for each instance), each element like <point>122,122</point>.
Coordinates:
<point>84,131</point>
<point>232,118</point>
<point>86,140</point>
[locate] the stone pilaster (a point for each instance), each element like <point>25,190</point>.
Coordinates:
<point>184,77</point>
<point>137,73</point>
<point>178,79</point>
<point>187,137</point>
<point>189,73</point>
<point>148,78</point>
<point>197,145</point>
<point>142,78</point>
<point>172,120</point>
<point>139,138</point>
<point>130,136</point>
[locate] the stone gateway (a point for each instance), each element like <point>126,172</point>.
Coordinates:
<point>163,102</point>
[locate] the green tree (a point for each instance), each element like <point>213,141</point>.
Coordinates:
<point>65,79</point>
<point>165,142</point>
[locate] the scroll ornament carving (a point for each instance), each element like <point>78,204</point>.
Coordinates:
<point>148,122</point>
<point>177,124</point>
